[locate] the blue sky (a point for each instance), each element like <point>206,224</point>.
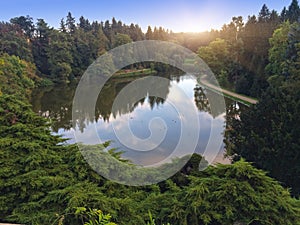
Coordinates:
<point>186,16</point>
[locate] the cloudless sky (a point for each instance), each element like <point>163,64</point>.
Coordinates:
<point>186,16</point>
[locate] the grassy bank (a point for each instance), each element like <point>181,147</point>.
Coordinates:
<point>234,98</point>
<point>134,72</point>
<point>246,100</point>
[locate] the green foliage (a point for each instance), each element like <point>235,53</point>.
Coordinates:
<point>41,178</point>
<point>60,57</point>
<point>44,82</point>
<point>216,56</point>
<point>293,12</point>
<point>64,54</point>
<point>268,135</point>
<point>16,76</point>
<point>239,58</point>
<point>70,23</point>
<point>121,39</point>
<point>13,41</point>
<point>25,23</point>
<point>293,52</point>
<point>238,193</point>
<point>28,164</point>
<point>152,221</point>
<point>93,216</point>
<point>278,52</point>
<point>40,45</point>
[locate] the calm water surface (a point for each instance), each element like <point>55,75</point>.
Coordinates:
<point>148,113</point>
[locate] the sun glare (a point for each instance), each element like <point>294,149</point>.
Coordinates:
<point>206,18</point>
<point>194,23</point>
<point>196,28</point>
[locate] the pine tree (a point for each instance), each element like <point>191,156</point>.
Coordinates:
<point>62,27</point>
<point>25,23</point>
<point>149,33</point>
<point>283,15</point>
<point>15,41</point>
<point>60,57</point>
<point>268,135</point>
<point>293,13</point>
<point>70,23</point>
<point>264,14</point>
<point>84,24</point>
<point>39,46</point>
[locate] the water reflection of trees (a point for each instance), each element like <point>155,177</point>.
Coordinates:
<point>233,109</point>
<point>202,98</point>
<point>205,98</point>
<point>105,101</point>
<point>56,102</point>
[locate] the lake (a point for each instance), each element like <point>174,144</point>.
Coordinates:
<point>135,120</point>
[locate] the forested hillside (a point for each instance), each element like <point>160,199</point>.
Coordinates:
<point>239,54</point>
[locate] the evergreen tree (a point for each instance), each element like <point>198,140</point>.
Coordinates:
<point>236,194</point>
<point>100,38</point>
<point>278,52</point>
<point>114,25</point>
<point>60,58</point>
<point>14,41</point>
<point>283,15</point>
<point>121,39</point>
<point>84,24</point>
<point>149,33</point>
<point>62,27</point>
<point>274,18</point>
<point>284,53</point>
<point>293,52</point>
<point>16,76</point>
<point>29,166</point>
<point>135,32</point>
<point>40,45</point>
<point>70,23</point>
<point>268,135</point>
<point>25,23</point>
<point>293,13</point>
<point>264,14</point>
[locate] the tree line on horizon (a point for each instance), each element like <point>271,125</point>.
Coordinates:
<point>62,55</point>
<point>238,53</point>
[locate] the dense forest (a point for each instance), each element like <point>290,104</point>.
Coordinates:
<point>43,181</point>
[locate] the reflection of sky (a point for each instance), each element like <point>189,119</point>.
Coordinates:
<point>139,123</point>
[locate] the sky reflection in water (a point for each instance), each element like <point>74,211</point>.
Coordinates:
<point>161,117</point>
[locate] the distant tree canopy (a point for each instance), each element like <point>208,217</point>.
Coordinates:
<point>121,39</point>
<point>14,41</point>
<point>82,41</point>
<point>64,54</point>
<point>251,57</point>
